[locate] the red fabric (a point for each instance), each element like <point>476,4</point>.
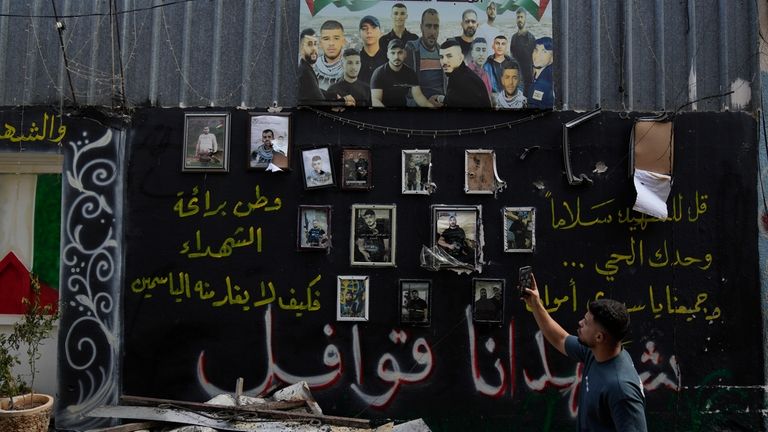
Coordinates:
<point>15,285</point>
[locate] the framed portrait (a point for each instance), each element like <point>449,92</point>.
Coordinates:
<point>314,227</point>
<point>318,170</point>
<point>480,175</point>
<point>488,300</point>
<point>457,232</point>
<point>352,295</point>
<point>356,169</point>
<point>415,301</point>
<point>519,229</point>
<point>206,142</point>
<point>270,141</point>
<point>416,172</point>
<point>372,239</point>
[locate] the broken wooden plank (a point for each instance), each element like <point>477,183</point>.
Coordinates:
<point>255,409</point>
<point>220,421</point>
<point>272,405</point>
<point>129,427</point>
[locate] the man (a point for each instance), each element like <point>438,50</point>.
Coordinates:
<point>372,55</point>
<point>488,31</point>
<point>329,68</point>
<point>350,89</point>
<point>468,30</point>
<point>423,56</point>
<point>510,97</point>
<point>309,89</point>
<point>399,16</point>
<point>417,307</point>
<point>391,81</point>
<point>318,176</point>
<point>476,63</point>
<point>465,88</point>
<point>493,65</point>
<point>206,146</point>
<point>361,167</point>
<point>611,394</point>
<point>485,308</point>
<point>315,235</point>
<point>372,242</point>
<point>454,241</point>
<point>521,45</point>
<point>266,153</point>
<point>541,93</point>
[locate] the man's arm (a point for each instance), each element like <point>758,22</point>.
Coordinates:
<point>376,95</point>
<point>552,331</point>
<point>419,97</point>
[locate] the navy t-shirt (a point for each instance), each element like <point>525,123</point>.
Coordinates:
<point>611,396</point>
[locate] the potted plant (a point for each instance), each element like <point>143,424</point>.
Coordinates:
<point>21,409</point>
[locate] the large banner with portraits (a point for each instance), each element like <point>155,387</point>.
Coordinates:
<point>427,53</point>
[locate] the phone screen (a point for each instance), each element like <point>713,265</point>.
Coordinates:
<point>524,278</point>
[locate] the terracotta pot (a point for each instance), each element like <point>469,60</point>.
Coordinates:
<point>30,413</point>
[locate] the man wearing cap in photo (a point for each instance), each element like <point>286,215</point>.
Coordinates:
<point>372,55</point>
<point>465,88</point>
<point>391,81</point>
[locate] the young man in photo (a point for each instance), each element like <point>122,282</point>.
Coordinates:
<point>318,176</point>
<point>493,64</point>
<point>511,96</point>
<point>372,55</point>
<point>329,68</point>
<point>465,88</point>
<point>399,17</point>
<point>542,93</point>
<point>350,90</point>
<point>392,81</point>
<point>477,61</point>
<point>309,89</point>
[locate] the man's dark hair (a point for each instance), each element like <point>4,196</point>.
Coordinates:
<point>331,25</point>
<point>399,5</point>
<point>430,11</point>
<point>369,212</point>
<point>612,315</point>
<point>501,36</point>
<point>478,40</point>
<point>510,64</point>
<point>449,43</point>
<point>467,12</point>
<point>268,130</point>
<point>306,32</point>
<point>350,52</point>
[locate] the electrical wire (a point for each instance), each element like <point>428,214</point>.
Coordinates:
<point>95,14</point>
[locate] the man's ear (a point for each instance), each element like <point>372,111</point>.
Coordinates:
<point>600,337</point>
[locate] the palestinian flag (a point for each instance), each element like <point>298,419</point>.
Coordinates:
<point>535,8</point>
<point>316,6</point>
<point>30,226</point>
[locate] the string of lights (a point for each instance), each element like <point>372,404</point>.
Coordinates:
<point>426,132</point>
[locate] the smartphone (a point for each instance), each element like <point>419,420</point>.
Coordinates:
<point>524,279</point>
